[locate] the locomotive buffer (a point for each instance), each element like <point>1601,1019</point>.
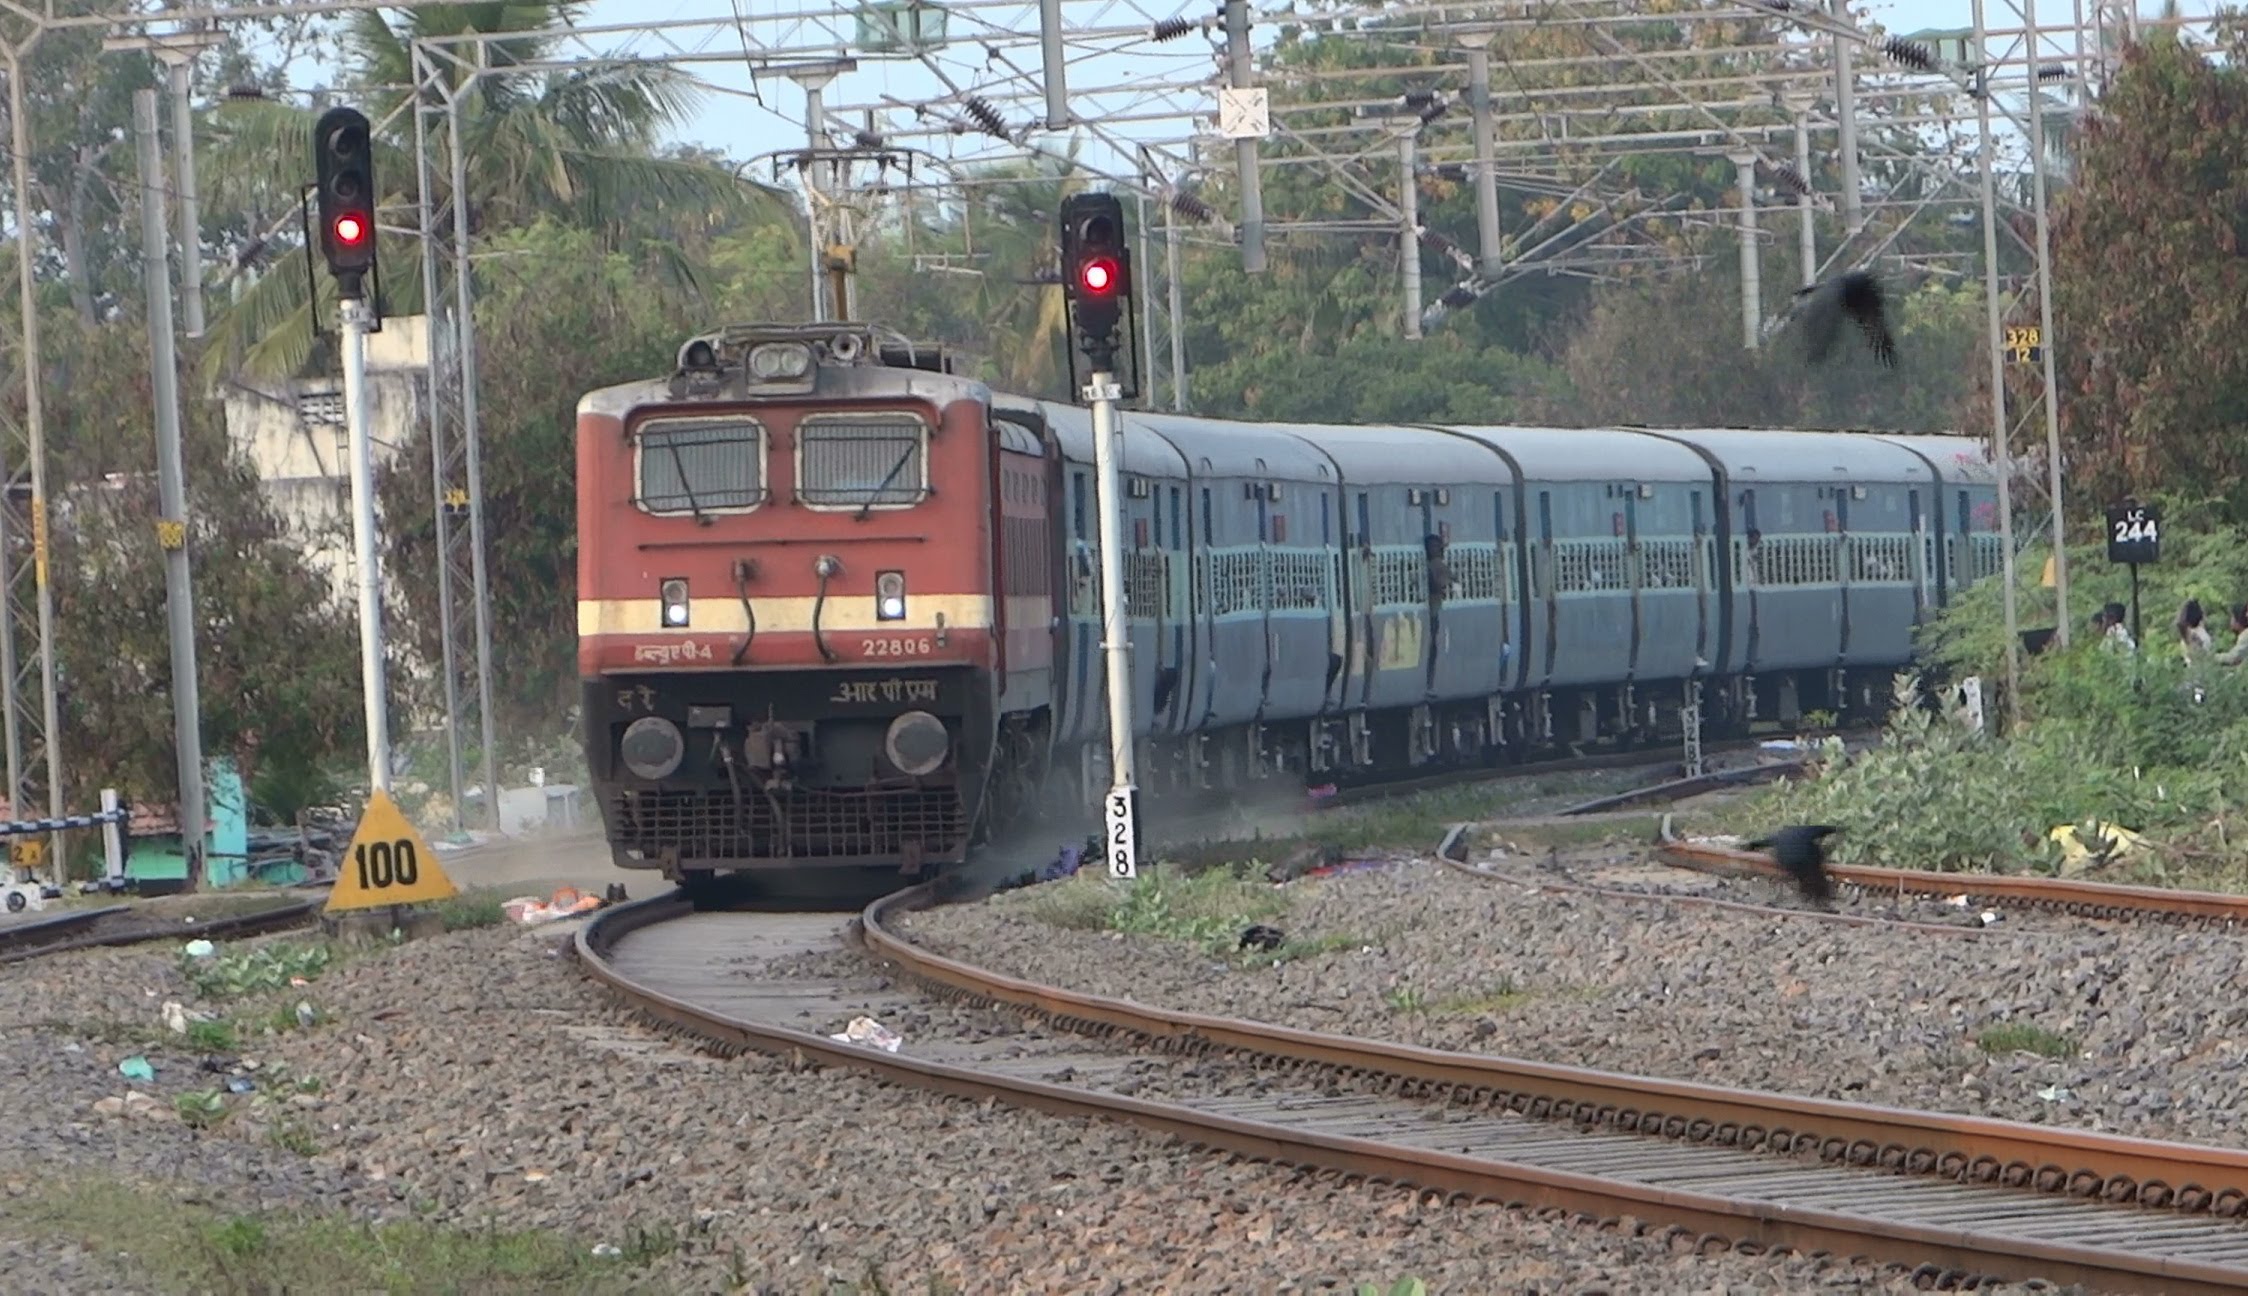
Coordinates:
<point>1097,282</point>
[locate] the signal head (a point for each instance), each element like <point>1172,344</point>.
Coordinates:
<point>350,230</point>
<point>1098,276</point>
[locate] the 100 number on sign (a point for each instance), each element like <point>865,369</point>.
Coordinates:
<point>386,864</point>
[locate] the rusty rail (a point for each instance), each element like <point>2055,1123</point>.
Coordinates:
<point>2085,899</point>
<point>1968,1148</point>
<point>254,923</point>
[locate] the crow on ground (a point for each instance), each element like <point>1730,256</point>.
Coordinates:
<point>1857,295</point>
<point>1800,852</point>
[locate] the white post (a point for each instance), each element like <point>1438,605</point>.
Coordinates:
<point>171,483</point>
<point>1752,288</point>
<point>112,840</point>
<point>1409,238</point>
<point>357,316</point>
<point>1120,842</point>
<point>2000,451</point>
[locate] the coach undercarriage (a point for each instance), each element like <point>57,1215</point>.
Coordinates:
<point>1374,745</point>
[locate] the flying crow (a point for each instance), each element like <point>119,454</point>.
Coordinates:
<point>1856,294</point>
<point>1800,852</point>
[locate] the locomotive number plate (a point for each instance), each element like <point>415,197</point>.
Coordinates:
<point>898,646</point>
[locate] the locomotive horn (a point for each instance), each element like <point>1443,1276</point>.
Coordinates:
<point>844,347</point>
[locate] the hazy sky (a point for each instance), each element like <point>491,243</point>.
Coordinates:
<point>743,126</point>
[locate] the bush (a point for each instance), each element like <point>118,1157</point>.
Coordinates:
<point>2117,740</point>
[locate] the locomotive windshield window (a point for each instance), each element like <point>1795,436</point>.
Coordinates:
<point>862,461</point>
<point>699,465</point>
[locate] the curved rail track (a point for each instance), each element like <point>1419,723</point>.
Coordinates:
<point>114,925</point>
<point>1963,1198</point>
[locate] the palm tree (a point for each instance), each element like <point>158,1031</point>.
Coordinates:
<point>574,145</point>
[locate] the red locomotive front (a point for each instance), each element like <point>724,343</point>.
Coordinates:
<point>786,627</point>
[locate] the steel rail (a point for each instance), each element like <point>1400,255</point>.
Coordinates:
<point>1975,1149</point>
<point>2085,899</point>
<point>15,949</point>
<point>1945,1254</point>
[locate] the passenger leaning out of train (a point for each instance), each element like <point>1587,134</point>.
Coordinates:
<point>2234,655</point>
<point>2193,635</point>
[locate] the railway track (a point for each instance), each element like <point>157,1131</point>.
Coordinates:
<point>115,925</point>
<point>1956,1200</point>
<point>2200,909</point>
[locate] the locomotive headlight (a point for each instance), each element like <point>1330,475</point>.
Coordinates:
<point>652,748</point>
<point>674,593</point>
<point>780,361</point>
<point>889,596</point>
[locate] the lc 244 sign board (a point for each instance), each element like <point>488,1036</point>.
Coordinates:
<point>389,863</point>
<point>2134,533</point>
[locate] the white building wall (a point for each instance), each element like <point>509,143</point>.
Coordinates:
<point>295,437</point>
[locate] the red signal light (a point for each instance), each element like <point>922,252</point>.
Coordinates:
<point>350,231</point>
<point>1098,275</point>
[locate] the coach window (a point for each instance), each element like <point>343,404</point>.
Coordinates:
<point>862,461</point>
<point>699,466</point>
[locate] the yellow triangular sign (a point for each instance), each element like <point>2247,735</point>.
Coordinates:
<point>389,863</point>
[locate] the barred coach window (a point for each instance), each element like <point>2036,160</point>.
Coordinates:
<point>700,465</point>
<point>862,460</point>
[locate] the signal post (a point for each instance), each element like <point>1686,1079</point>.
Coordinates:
<point>1097,281</point>
<point>389,864</point>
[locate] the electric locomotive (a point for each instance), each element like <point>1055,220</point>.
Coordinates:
<point>839,605</point>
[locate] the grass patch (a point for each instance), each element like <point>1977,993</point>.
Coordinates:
<point>1313,947</point>
<point>472,909</point>
<point>1206,909</point>
<point>1498,997</point>
<point>177,1246</point>
<point>234,973</point>
<point>2021,1037</point>
<point>212,1036</point>
<point>1406,999</point>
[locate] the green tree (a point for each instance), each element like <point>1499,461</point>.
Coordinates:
<point>276,656</point>
<point>1670,353</point>
<point>2150,289</point>
<point>579,146</point>
<point>559,317</point>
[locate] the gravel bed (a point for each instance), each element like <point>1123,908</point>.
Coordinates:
<point>478,1077</point>
<point>1852,1012</point>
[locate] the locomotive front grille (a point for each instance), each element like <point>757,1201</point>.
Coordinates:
<point>807,823</point>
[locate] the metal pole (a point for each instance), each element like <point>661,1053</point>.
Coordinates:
<point>357,318</point>
<point>438,376</point>
<point>471,441</point>
<point>1846,119</point>
<point>1752,286</point>
<point>1487,235</point>
<point>171,485</point>
<point>1120,842</point>
<point>1146,352</point>
<point>35,431</point>
<point>1177,293</point>
<point>1807,233</point>
<point>814,222</point>
<point>1241,72</point>
<point>2045,330</point>
<point>1999,448</point>
<point>1057,83</point>
<point>190,212</point>
<point>1409,237</point>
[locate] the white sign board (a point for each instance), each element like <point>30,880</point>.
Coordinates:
<point>1121,837</point>
<point>1244,113</point>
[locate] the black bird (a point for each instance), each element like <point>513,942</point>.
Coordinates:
<point>1262,937</point>
<point>1857,295</point>
<point>1800,851</point>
